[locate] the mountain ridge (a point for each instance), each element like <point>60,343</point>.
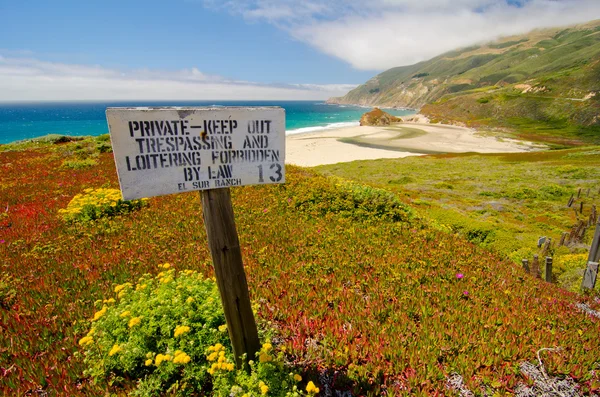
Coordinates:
<point>549,76</point>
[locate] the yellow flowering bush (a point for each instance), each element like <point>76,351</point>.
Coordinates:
<point>98,203</point>
<point>267,376</point>
<point>172,338</point>
<point>157,334</point>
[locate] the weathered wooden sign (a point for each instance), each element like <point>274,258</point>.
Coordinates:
<point>170,150</point>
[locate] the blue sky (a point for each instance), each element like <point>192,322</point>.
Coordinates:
<point>244,49</point>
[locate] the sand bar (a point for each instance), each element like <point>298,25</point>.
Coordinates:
<point>401,140</point>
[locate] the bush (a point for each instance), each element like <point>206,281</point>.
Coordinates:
<point>157,332</point>
<point>98,203</point>
<point>350,200</point>
<point>78,164</point>
<point>168,333</point>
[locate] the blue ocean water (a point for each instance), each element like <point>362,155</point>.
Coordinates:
<point>19,121</point>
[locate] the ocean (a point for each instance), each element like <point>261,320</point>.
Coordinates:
<point>19,121</point>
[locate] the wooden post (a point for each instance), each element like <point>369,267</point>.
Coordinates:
<point>570,203</point>
<point>229,271</point>
<point>581,207</point>
<point>549,269</point>
<point>579,193</point>
<point>589,277</point>
<point>562,239</point>
<point>546,247</point>
<point>535,267</point>
<point>525,265</point>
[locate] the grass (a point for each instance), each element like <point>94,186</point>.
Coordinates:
<point>503,202</point>
<point>343,275</point>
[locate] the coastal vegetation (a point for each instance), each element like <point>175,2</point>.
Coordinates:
<point>357,286</point>
<point>541,86</point>
<point>503,202</point>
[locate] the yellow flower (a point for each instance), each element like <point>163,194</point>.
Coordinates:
<point>267,347</point>
<point>86,340</point>
<point>264,357</point>
<point>134,321</point>
<point>115,349</point>
<point>162,357</point>
<point>263,388</point>
<point>165,265</point>
<point>181,358</point>
<point>189,300</point>
<point>212,356</point>
<point>119,288</point>
<point>125,313</point>
<point>148,362</point>
<point>223,328</point>
<point>311,388</point>
<point>100,313</point>
<point>181,329</point>
<point>230,367</point>
<point>297,378</point>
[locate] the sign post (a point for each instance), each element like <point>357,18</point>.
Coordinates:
<point>161,151</point>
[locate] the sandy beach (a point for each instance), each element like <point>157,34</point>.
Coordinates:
<point>400,140</point>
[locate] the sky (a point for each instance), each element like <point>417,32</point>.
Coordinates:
<point>242,49</point>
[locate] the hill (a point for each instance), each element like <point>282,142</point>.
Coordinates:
<point>540,84</point>
<point>361,295</point>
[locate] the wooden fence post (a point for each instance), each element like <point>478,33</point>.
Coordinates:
<point>591,271</point>
<point>562,239</point>
<point>549,269</point>
<point>546,247</point>
<point>535,267</point>
<point>525,265</point>
<point>570,203</point>
<point>229,271</point>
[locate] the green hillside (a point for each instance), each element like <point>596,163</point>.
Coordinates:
<point>539,84</point>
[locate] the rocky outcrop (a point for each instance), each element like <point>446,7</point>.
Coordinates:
<point>378,117</point>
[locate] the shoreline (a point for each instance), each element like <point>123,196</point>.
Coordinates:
<point>413,138</point>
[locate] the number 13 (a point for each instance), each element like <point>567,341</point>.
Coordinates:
<point>277,171</point>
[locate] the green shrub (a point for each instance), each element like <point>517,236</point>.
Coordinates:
<point>103,144</point>
<point>168,334</point>
<point>78,164</point>
<point>268,375</point>
<point>98,203</point>
<point>554,191</point>
<point>157,332</point>
<point>350,200</point>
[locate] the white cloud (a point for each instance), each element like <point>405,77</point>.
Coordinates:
<point>23,79</point>
<point>380,34</point>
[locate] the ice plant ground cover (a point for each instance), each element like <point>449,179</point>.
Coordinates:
<point>373,294</point>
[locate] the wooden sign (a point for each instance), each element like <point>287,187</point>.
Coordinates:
<point>171,150</point>
<point>177,149</point>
